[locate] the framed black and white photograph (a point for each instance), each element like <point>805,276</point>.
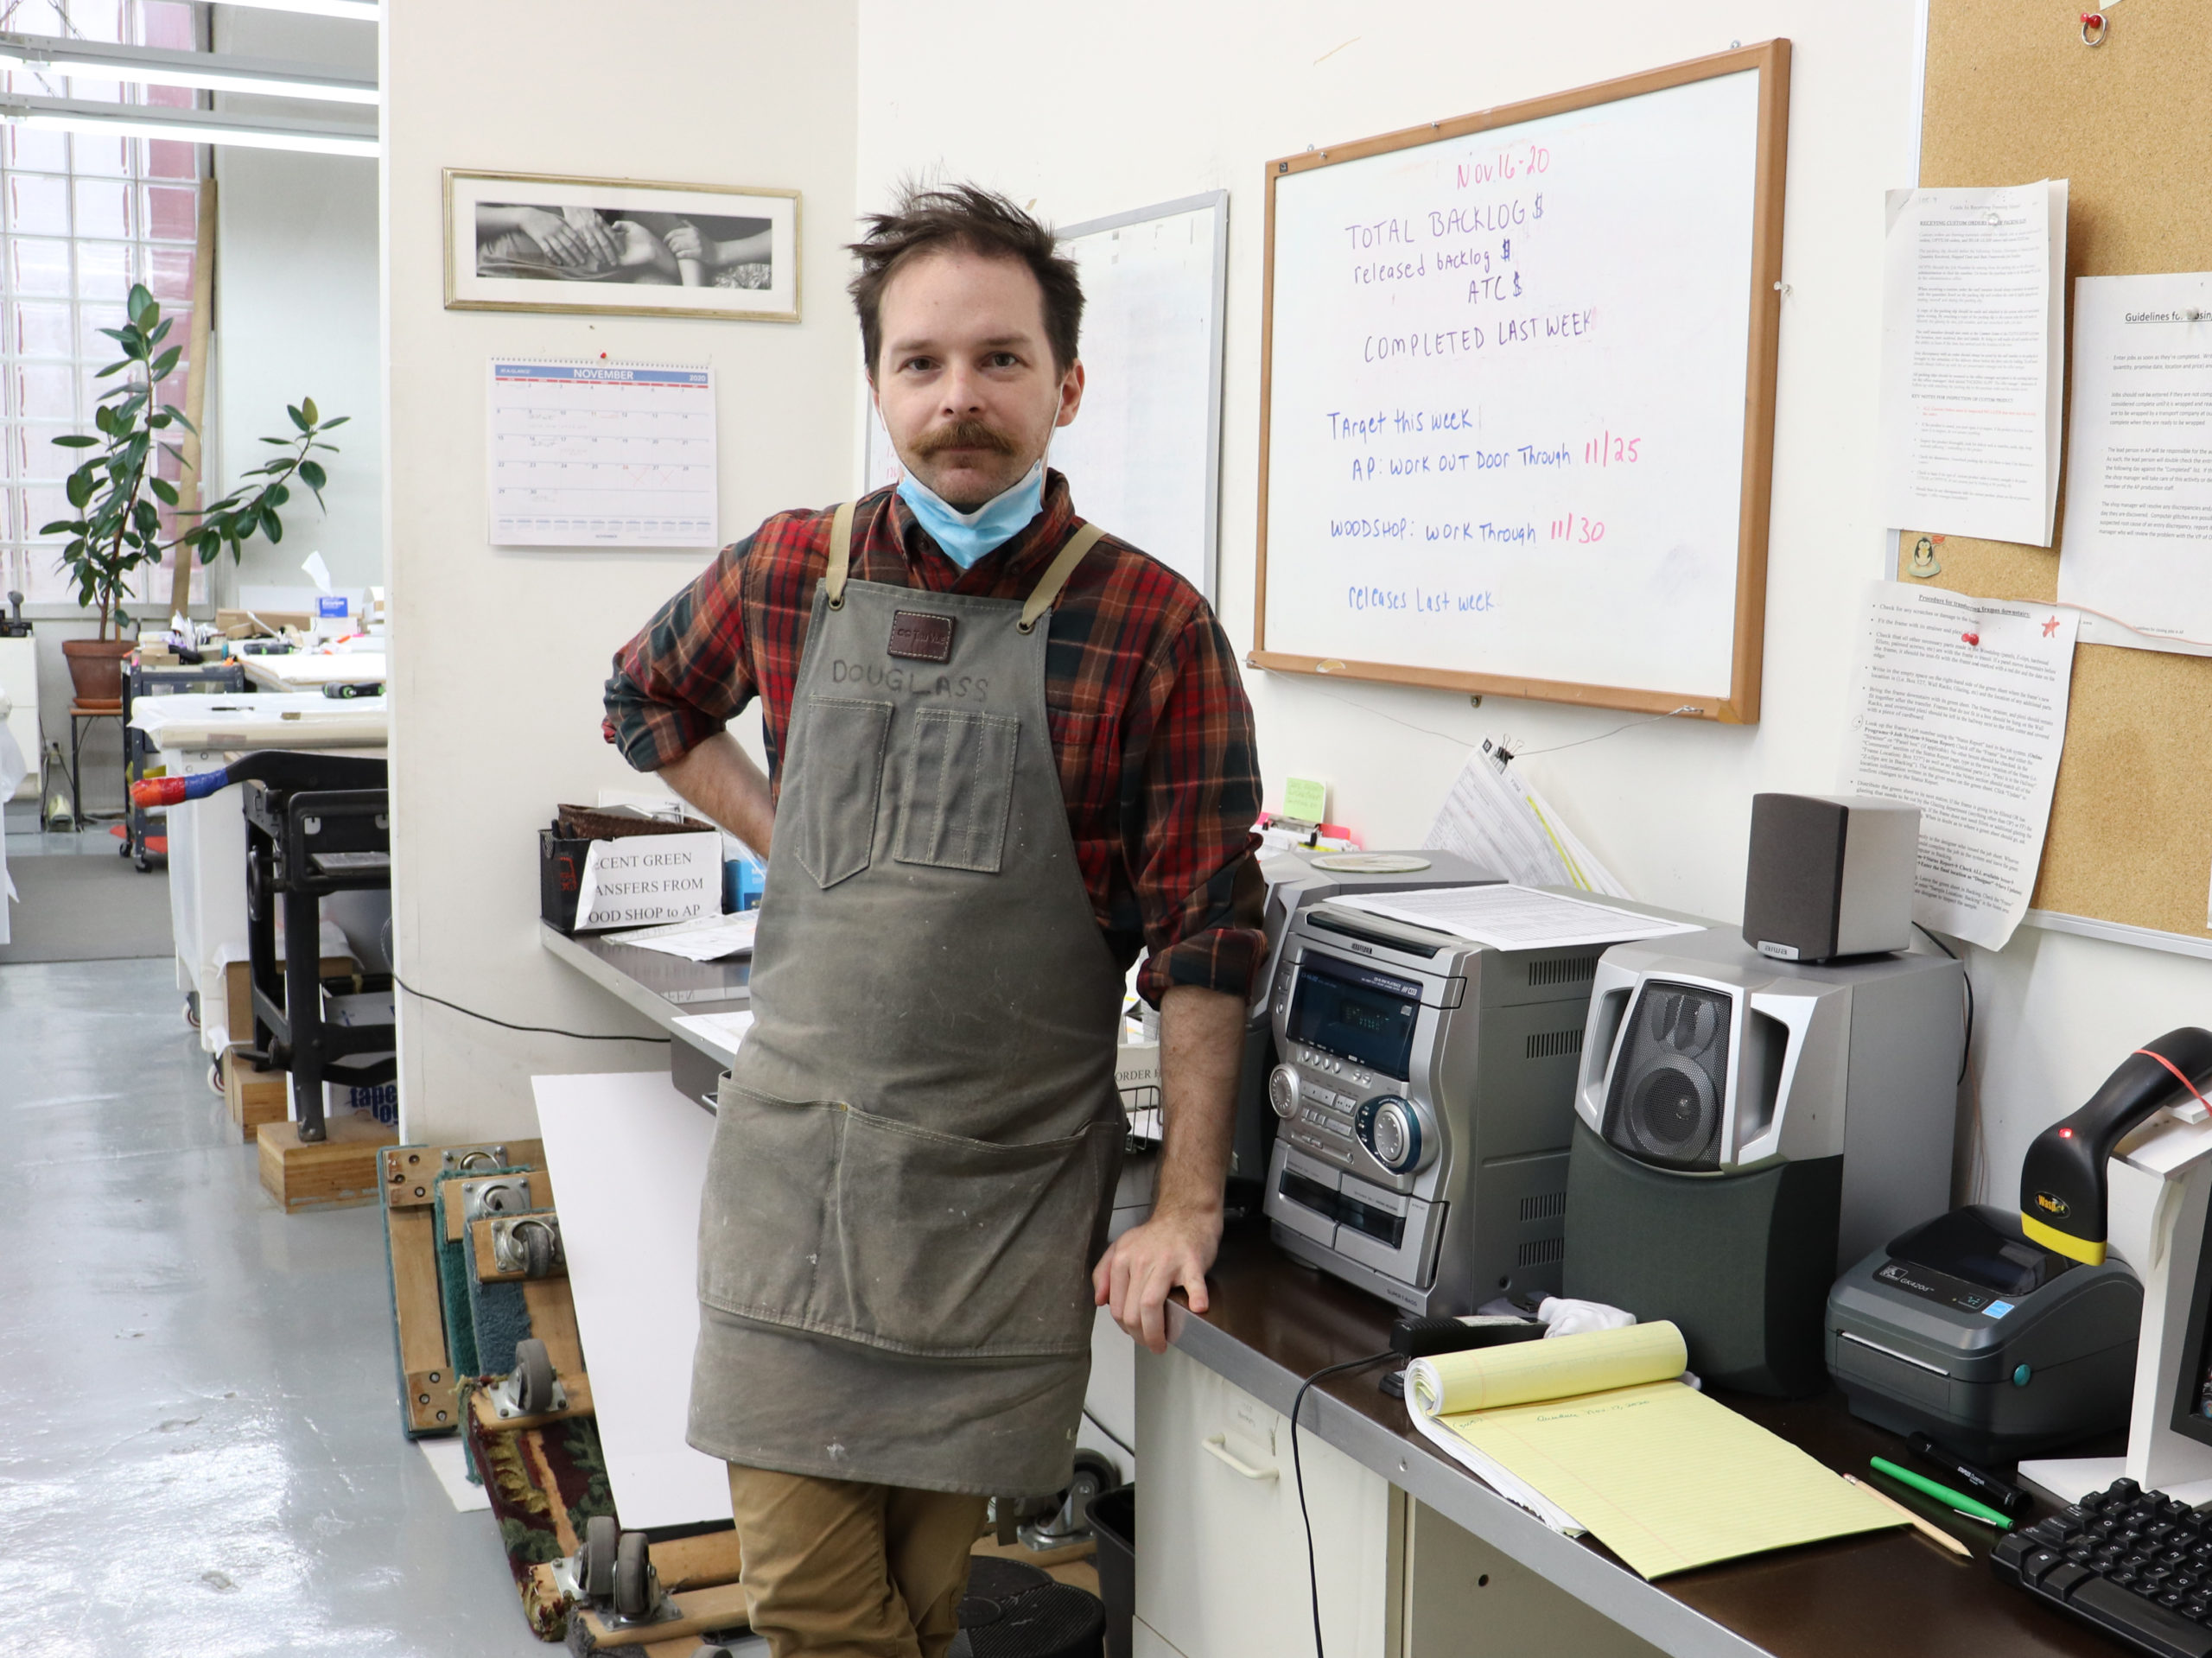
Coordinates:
<point>537,242</point>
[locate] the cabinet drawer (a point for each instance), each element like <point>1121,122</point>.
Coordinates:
<point>1221,1552</point>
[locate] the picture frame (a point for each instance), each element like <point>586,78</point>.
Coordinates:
<point>620,247</point>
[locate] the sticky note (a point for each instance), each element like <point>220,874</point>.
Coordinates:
<point>1305,799</point>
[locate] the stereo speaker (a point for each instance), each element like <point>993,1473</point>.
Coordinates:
<point>1830,876</point>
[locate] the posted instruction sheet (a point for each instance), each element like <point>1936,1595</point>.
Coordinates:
<point>1974,325</point>
<point>1959,707</point>
<point>2138,495</point>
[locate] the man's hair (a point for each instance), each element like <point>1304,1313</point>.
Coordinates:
<point>944,217</point>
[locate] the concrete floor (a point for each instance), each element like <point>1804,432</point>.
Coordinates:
<point>200,1444</point>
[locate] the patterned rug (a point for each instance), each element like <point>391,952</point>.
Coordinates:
<point>544,1484</point>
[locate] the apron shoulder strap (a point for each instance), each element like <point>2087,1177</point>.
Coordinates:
<point>840,555</point>
<point>1055,578</point>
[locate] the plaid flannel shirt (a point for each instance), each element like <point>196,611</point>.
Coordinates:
<point>1149,722</point>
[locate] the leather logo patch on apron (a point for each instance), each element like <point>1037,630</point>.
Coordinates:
<point>918,636</point>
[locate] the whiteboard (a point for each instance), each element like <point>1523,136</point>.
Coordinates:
<point>1518,412</point>
<point>1143,454</point>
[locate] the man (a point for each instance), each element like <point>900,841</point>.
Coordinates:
<point>1006,754</point>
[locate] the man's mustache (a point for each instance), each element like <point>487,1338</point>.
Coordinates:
<point>963,434</point>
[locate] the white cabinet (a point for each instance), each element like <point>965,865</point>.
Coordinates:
<point>1221,1554</point>
<point>1465,1599</point>
<point>19,679</point>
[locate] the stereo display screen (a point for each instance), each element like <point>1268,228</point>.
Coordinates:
<point>1357,1014</point>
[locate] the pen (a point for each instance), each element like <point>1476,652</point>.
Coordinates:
<point>1999,1493</point>
<point>1918,1524</point>
<point>1928,1487</point>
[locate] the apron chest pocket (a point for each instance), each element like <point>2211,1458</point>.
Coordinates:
<point>839,755</point>
<point>860,1227</point>
<point>957,789</point>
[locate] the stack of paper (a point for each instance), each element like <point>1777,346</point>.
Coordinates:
<point>1598,1433</point>
<point>706,939</point>
<point>1496,821</point>
<point>1516,918</point>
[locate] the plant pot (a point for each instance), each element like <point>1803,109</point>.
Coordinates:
<point>96,667</point>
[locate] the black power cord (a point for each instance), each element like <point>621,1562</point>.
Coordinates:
<point>535,1030</point>
<point>1298,1468</point>
<point>1966,979</point>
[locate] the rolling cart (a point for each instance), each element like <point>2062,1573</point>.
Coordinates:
<point>213,679</point>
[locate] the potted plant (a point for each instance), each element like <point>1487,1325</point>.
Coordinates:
<point>114,492</point>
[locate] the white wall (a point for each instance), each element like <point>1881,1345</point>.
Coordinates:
<point>499,656</point>
<point>1093,110</point>
<point>295,307</point>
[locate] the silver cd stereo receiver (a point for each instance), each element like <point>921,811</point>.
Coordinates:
<point>1426,1094</point>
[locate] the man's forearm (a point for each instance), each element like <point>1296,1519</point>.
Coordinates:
<point>720,779</point>
<point>1201,1045</point>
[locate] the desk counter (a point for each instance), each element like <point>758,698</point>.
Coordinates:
<point>1273,1322</point>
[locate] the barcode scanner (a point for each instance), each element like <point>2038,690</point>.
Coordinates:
<point>2062,1177</point>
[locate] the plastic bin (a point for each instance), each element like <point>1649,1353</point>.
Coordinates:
<point>1114,1525</point>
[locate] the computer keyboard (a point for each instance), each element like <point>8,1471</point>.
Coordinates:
<point>2136,1564</point>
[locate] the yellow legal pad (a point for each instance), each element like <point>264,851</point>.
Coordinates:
<point>1597,1430</point>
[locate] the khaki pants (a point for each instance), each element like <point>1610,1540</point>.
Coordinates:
<point>836,1569</point>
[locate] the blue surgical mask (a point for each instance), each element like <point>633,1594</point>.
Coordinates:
<point>966,537</point>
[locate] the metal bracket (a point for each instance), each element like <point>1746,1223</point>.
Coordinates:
<point>506,1402</point>
<point>464,1159</point>
<point>511,1239</point>
<point>502,1194</point>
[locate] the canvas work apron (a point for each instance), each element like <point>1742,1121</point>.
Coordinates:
<point>916,1148</point>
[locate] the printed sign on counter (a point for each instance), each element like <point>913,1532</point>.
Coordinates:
<point>642,880</point>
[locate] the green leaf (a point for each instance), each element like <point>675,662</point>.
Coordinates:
<point>298,419</point>
<point>79,491</point>
<point>113,368</point>
<point>341,420</point>
<point>163,490</point>
<point>281,442</point>
<point>277,496</point>
<point>165,362</point>
<point>271,525</point>
<point>58,527</point>
<point>144,312</point>
<point>177,415</point>
<point>162,332</point>
<point>307,408</point>
<point>77,441</point>
<point>312,474</point>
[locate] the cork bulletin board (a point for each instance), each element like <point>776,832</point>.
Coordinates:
<point>2012,96</point>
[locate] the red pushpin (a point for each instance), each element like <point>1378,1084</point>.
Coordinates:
<point>2092,19</point>
<point>1971,638</point>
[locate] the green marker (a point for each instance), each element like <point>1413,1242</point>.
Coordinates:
<point>1928,1487</point>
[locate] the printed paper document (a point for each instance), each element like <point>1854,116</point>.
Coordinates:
<point>2138,493</point>
<point>1515,917</point>
<point>709,938</point>
<point>1958,705</point>
<point>1973,324</point>
<point>1598,1433</point>
<point>601,454</point>
<point>1496,821</point>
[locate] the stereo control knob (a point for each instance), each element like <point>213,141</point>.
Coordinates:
<point>1397,1133</point>
<point>1282,1091</point>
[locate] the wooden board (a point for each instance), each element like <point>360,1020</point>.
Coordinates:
<point>2013,96</point>
<point>431,1402</point>
<point>700,1612</point>
<point>574,1383</point>
<point>1426,382</point>
<point>255,1098</point>
<point>333,1173</point>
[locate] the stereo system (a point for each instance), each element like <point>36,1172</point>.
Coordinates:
<point>1829,875</point>
<point>1426,1101</point>
<point>1749,1128</point>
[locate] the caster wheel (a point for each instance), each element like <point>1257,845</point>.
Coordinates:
<point>215,1078</point>
<point>600,1533</point>
<point>192,1008</point>
<point>636,1586</point>
<point>535,1367</point>
<point>537,1251</point>
<point>145,866</point>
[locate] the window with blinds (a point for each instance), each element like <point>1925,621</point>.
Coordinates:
<point>82,217</point>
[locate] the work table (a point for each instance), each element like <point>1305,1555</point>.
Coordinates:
<point>1273,1322</point>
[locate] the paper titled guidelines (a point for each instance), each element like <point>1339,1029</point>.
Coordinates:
<point>601,454</point>
<point>2138,495</point>
<point>1973,323</point>
<point>1959,707</point>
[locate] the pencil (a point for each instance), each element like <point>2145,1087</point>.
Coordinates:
<point>1918,1524</point>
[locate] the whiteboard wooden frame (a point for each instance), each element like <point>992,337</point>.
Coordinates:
<point>1741,706</point>
<point>1217,202</point>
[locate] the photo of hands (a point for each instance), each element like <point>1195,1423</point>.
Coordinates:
<point>580,244</point>
<point>528,242</point>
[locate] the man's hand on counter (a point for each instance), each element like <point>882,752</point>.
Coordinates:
<point>1201,1043</point>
